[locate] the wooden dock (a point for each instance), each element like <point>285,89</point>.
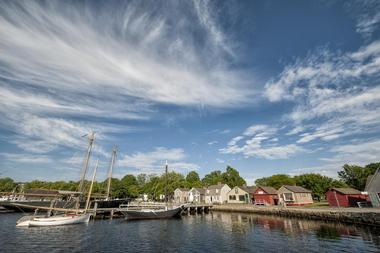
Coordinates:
<point>101,213</point>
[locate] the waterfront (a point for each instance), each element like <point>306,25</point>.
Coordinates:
<point>214,232</point>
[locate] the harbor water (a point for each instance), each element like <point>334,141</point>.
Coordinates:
<point>214,232</point>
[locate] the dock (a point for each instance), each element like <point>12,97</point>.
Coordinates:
<point>101,213</point>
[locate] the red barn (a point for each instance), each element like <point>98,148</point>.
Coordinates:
<point>344,197</point>
<point>265,196</point>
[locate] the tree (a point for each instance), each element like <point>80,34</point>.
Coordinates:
<point>275,181</point>
<point>317,183</point>
<point>232,177</point>
<point>7,184</point>
<point>356,176</point>
<point>193,180</point>
<point>212,178</point>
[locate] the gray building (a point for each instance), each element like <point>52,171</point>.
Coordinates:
<point>373,188</point>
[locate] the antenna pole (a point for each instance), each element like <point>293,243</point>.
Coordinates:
<point>166,182</point>
<point>113,157</point>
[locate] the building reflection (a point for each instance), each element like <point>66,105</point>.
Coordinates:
<point>244,223</point>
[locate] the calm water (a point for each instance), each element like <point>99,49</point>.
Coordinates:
<point>217,232</point>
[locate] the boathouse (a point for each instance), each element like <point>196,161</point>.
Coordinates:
<point>196,195</point>
<point>238,196</point>
<point>344,197</point>
<point>295,195</point>
<point>217,193</point>
<point>373,188</point>
<point>181,195</point>
<point>265,195</point>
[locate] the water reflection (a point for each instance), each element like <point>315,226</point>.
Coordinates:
<point>243,223</point>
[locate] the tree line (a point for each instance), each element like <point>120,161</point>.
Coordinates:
<point>154,185</point>
<point>132,186</point>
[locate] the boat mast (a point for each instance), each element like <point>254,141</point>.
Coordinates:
<point>113,157</point>
<point>166,183</point>
<point>91,137</point>
<point>92,184</point>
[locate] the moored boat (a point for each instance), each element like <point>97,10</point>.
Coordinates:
<point>152,213</point>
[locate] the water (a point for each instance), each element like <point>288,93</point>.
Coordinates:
<point>217,232</point>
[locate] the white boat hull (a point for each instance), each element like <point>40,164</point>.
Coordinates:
<point>55,221</point>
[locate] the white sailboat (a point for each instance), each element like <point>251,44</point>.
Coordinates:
<point>59,220</point>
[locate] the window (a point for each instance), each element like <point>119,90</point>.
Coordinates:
<point>232,197</point>
<point>288,196</point>
<point>241,198</point>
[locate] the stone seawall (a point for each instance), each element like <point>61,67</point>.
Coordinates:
<point>362,216</point>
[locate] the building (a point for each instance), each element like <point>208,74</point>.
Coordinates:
<point>344,197</point>
<point>373,188</point>
<point>238,196</point>
<point>196,195</point>
<point>265,195</point>
<point>295,195</point>
<point>250,190</point>
<point>181,195</point>
<point>217,193</point>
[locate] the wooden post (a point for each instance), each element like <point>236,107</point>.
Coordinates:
<point>112,211</point>
<point>95,209</point>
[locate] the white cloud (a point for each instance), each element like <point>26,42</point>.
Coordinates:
<point>154,161</point>
<point>25,158</point>
<point>259,142</point>
<point>212,143</point>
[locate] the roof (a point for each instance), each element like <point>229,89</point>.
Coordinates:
<point>183,189</point>
<point>296,189</point>
<point>249,189</point>
<point>215,186</point>
<point>346,191</point>
<point>200,190</point>
<point>268,189</point>
<point>40,191</point>
<point>373,182</point>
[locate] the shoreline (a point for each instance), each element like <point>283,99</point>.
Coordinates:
<point>360,216</point>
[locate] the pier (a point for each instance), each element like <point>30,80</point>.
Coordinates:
<point>102,213</point>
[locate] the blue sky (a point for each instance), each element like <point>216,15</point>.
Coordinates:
<point>264,86</point>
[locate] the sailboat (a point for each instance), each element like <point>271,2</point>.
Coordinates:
<point>133,213</point>
<point>59,220</point>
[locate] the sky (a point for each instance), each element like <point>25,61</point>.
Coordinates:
<point>263,86</point>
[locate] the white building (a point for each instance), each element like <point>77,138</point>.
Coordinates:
<point>197,195</point>
<point>217,193</point>
<point>181,195</point>
<point>238,196</point>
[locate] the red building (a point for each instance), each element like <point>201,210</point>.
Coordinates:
<point>344,197</point>
<point>265,196</point>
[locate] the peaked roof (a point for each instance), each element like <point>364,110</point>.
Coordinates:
<point>268,189</point>
<point>216,186</point>
<point>249,189</point>
<point>373,182</point>
<point>346,190</point>
<point>296,189</point>
<point>183,189</point>
<point>200,190</point>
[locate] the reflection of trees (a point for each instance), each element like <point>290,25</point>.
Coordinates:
<point>327,232</point>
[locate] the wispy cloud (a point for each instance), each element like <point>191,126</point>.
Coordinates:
<point>154,161</point>
<point>260,141</point>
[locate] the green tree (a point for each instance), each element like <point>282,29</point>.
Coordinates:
<point>212,178</point>
<point>317,183</point>
<point>7,184</point>
<point>275,181</point>
<point>193,180</point>
<point>232,177</point>
<point>356,176</point>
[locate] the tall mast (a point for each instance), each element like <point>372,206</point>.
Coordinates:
<point>113,157</point>
<point>91,137</point>
<point>166,182</point>
<point>92,183</point>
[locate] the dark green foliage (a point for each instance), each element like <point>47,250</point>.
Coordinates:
<point>356,176</point>
<point>7,184</point>
<point>275,181</point>
<point>232,177</point>
<point>193,180</point>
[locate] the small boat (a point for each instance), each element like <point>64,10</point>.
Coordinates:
<point>57,220</point>
<point>153,212</point>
